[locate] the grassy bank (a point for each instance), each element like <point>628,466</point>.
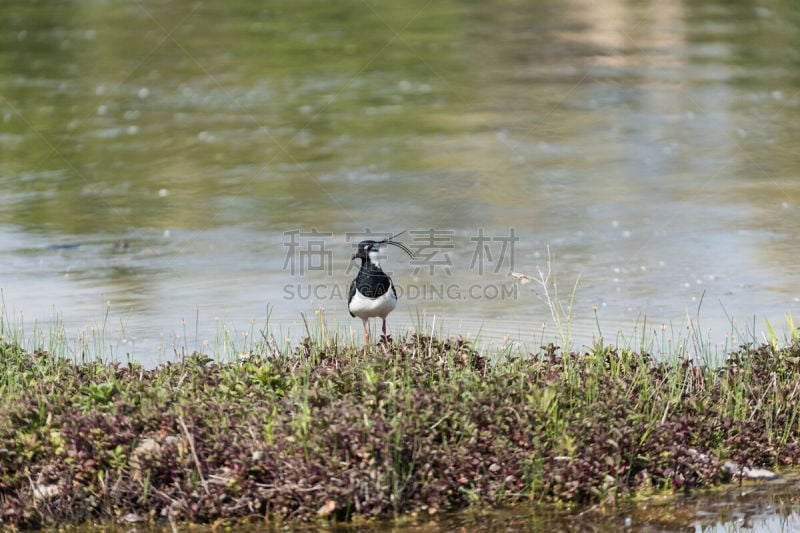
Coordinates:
<point>329,431</point>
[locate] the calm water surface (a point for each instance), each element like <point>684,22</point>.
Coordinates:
<point>170,170</point>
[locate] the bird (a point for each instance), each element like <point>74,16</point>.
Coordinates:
<point>372,293</point>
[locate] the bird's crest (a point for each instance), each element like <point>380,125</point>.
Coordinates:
<point>389,240</point>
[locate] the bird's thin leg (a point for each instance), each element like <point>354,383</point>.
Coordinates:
<point>385,337</point>
<point>366,334</point>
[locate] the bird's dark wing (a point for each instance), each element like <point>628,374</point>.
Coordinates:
<point>350,298</point>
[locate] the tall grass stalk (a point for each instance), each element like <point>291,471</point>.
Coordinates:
<point>561,315</point>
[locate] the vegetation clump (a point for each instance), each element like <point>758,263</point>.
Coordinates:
<point>328,431</point>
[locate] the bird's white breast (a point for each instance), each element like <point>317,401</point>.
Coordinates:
<point>364,307</point>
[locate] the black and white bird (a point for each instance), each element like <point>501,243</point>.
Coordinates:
<point>372,293</point>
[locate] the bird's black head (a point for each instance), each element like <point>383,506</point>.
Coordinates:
<point>368,250</point>
<point>364,248</point>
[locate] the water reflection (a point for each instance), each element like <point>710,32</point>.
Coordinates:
<point>649,145</point>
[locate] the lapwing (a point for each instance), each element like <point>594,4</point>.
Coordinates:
<point>372,293</point>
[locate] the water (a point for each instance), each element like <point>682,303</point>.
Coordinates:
<point>170,171</point>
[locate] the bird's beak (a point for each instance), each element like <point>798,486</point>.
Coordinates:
<point>355,256</point>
